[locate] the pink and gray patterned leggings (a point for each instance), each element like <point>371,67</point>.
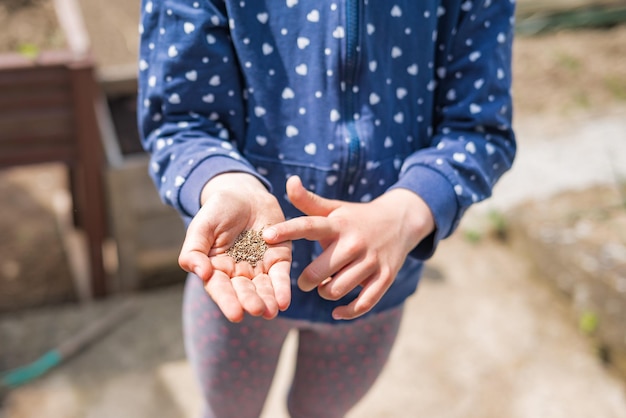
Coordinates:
<point>235,363</point>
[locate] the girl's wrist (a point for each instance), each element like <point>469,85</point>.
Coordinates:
<point>413,214</point>
<point>243,182</point>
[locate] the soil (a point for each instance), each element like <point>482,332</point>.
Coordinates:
<point>29,25</point>
<point>33,268</point>
<point>557,77</point>
<point>563,75</point>
<point>577,241</point>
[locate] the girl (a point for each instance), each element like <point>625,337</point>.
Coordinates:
<point>380,122</point>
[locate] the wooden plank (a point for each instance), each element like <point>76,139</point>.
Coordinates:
<point>20,125</point>
<point>31,78</point>
<point>89,171</point>
<point>19,156</point>
<point>38,145</point>
<point>39,142</point>
<point>32,99</point>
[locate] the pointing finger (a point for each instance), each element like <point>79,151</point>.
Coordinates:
<point>312,228</point>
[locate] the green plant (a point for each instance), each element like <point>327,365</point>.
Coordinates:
<point>581,98</point>
<point>616,85</point>
<point>28,50</point>
<point>568,61</point>
<point>499,224</point>
<point>588,322</point>
<point>472,235</point>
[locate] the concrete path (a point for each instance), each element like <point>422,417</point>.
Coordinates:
<point>482,337</point>
<point>567,155</point>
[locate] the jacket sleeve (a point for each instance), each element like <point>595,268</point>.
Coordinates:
<point>473,143</point>
<point>191,106</point>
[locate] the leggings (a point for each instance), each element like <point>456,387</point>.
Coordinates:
<point>336,364</point>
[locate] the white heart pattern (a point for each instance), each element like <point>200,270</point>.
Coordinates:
<point>311,148</point>
<point>267,49</point>
<point>189,27</point>
<point>396,11</point>
<point>262,17</point>
<point>459,157</point>
<point>288,93</point>
<point>302,69</point>
<point>291,131</point>
<point>303,42</point>
<point>313,16</point>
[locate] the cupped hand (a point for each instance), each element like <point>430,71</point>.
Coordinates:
<point>364,244</point>
<point>231,204</point>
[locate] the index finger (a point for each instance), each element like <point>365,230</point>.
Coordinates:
<point>312,228</point>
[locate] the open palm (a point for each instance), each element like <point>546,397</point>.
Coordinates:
<point>233,204</point>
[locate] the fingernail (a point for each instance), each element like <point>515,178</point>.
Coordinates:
<point>337,317</point>
<point>269,234</point>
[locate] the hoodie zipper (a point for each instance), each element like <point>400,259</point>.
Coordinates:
<point>352,42</point>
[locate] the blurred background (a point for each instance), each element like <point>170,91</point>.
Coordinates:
<point>522,313</point>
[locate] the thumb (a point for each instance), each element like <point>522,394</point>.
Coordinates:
<point>308,202</point>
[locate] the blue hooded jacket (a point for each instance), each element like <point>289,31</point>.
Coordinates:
<point>357,97</point>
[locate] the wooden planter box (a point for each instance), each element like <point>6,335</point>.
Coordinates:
<point>47,114</point>
<point>61,107</point>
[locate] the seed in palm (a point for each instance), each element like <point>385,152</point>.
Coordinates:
<point>249,246</point>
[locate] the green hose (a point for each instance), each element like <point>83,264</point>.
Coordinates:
<point>68,348</point>
<point>25,374</point>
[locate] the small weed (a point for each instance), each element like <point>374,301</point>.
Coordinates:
<point>605,355</point>
<point>569,62</point>
<point>581,99</point>
<point>616,85</point>
<point>588,322</point>
<point>473,236</point>
<point>499,224</point>
<point>28,50</point>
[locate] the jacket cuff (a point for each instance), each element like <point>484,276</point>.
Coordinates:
<point>439,195</point>
<point>191,190</point>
